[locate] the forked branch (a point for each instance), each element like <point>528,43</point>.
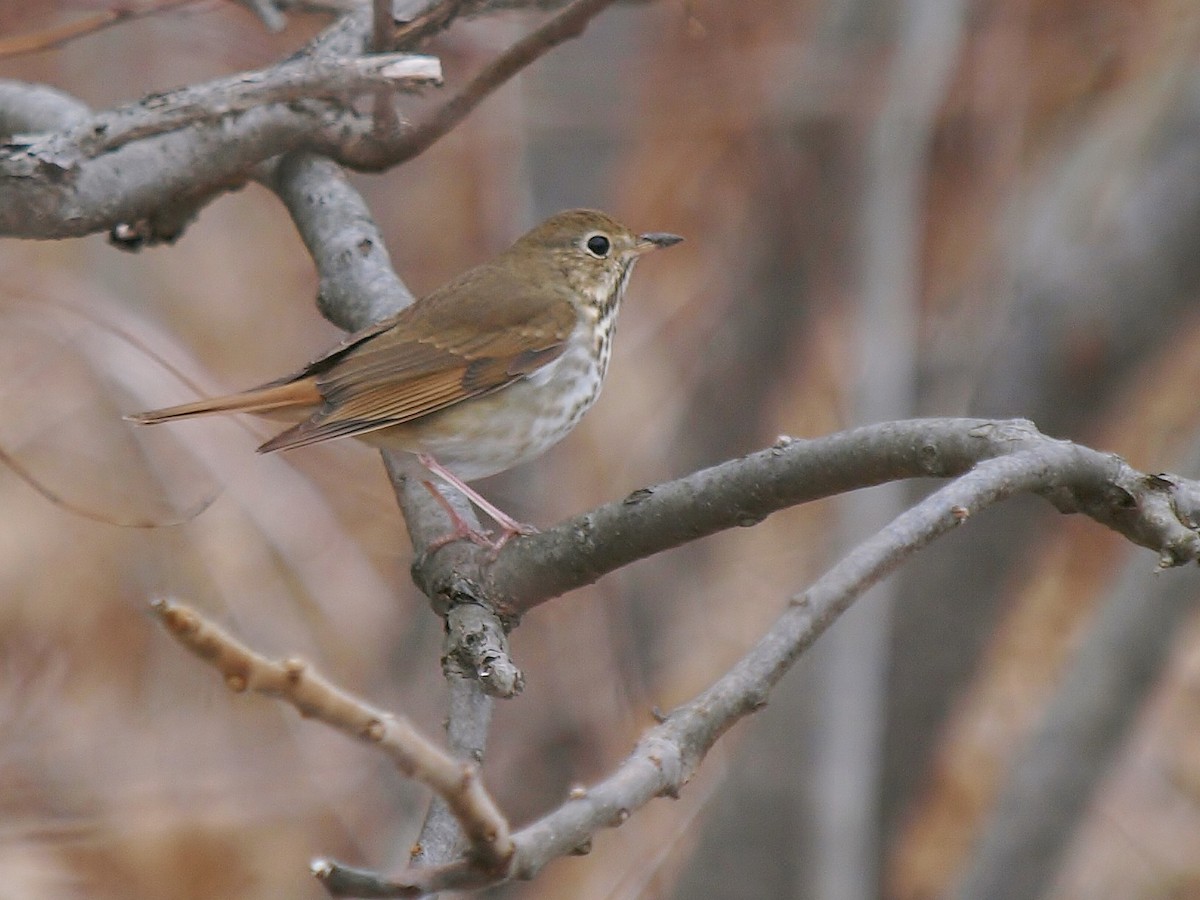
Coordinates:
<point>141,165</point>
<point>1154,510</point>
<point>1011,458</point>
<point>565,25</point>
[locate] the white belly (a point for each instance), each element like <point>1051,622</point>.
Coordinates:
<point>488,434</point>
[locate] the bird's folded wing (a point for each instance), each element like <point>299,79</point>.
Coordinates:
<point>430,357</point>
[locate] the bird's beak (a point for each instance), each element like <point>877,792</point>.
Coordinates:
<point>653,240</point>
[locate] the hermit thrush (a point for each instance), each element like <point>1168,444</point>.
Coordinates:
<point>488,371</point>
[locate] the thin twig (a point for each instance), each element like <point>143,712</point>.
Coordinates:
<point>1151,511</point>
<point>10,462</point>
<point>565,25</point>
<point>420,28</point>
<point>384,113</point>
<point>458,783</point>
<point>381,26</point>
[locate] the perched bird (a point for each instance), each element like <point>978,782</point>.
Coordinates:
<point>488,371</point>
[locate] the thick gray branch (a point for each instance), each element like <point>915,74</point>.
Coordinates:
<point>1153,511</point>
<point>358,285</point>
<point>159,182</point>
<point>994,461</point>
<point>122,167</point>
<point>336,79</point>
<point>41,198</point>
<point>28,107</point>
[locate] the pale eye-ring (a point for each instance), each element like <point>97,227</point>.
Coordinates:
<point>598,245</point>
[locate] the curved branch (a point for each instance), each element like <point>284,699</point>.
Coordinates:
<point>43,198</point>
<point>77,182</point>
<point>358,285</point>
<point>569,23</point>
<point>26,107</point>
<point>338,79</point>
<point>458,784</point>
<point>1153,511</point>
<point>668,754</point>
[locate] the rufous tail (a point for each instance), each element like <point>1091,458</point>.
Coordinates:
<point>294,395</point>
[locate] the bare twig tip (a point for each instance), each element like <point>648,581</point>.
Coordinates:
<point>179,619</point>
<point>320,867</point>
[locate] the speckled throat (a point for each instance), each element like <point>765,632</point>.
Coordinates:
<point>603,314</point>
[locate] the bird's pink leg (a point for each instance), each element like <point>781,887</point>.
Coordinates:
<point>509,527</point>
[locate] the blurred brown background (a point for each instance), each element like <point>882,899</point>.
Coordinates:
<point>891,209</point>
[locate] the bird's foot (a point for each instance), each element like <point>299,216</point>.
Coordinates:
<point>463,530</point>
<point>509,527</point>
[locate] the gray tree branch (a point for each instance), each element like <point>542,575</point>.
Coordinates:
<point>340,80</point>
<point>992,461</point>
<point>37,107</point>
<point>78,181</point>
<point>1151,511</point>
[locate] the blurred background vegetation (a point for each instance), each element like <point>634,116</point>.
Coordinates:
<point>891,209</point>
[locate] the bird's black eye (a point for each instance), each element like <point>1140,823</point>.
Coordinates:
<point>598,245</point>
